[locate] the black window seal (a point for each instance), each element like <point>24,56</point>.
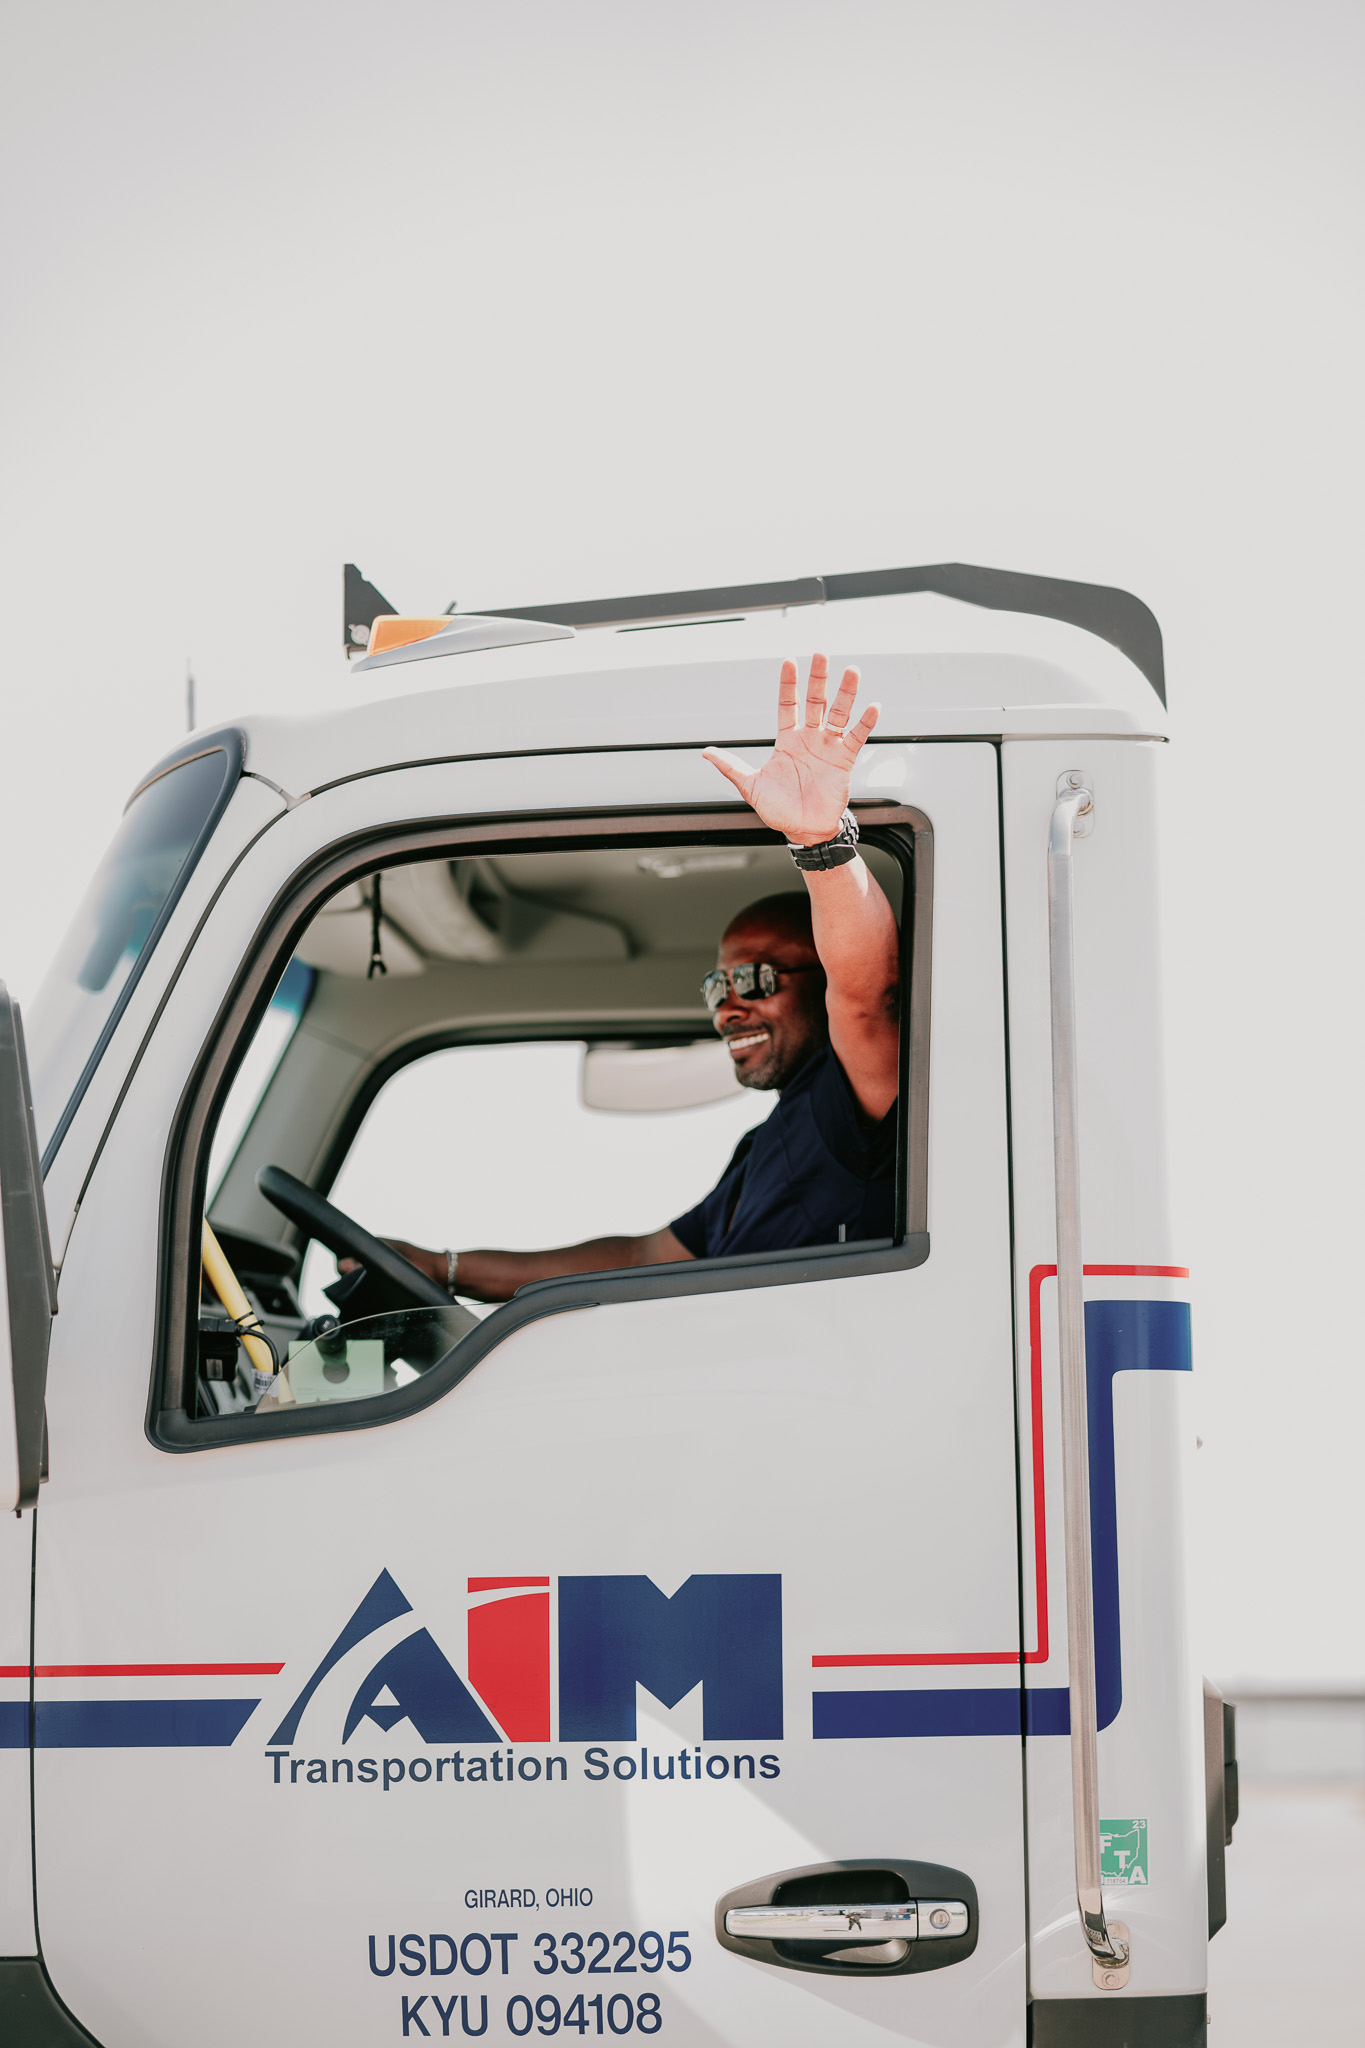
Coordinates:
<point>230,741</point>
<point>532,1304</point>
<point>168,1424</point>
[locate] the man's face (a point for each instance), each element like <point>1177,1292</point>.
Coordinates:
<point>771,1037</point>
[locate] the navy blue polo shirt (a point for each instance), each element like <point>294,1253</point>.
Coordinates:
<point>816,1163</point>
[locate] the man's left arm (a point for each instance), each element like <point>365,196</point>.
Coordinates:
<point>802,791</point>
<point>856,938</point>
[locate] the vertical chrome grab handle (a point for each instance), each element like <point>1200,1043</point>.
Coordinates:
<point>1072,819</point>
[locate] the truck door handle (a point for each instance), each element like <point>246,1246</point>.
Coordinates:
<point>917,1919</point>
<point>885,1917</point>
<point>1074,818</point>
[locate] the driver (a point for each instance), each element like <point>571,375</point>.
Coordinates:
<point>804,995</point>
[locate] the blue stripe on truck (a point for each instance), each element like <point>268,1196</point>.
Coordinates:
<point>126,1724</point>
<point>1120,1336</point>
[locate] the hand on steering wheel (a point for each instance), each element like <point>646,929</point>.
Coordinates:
<point>424,1261</point>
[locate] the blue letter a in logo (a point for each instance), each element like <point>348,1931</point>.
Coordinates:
<point>425,1686</point>
<point>722,1628</point>
<point>422,1682</point>
<point>382,1603</point>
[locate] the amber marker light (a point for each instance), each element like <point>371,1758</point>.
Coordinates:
<point>388,632</point>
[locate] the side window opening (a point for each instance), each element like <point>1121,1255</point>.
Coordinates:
<point>505,1049</point>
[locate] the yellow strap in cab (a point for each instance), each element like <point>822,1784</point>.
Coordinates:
<point>228,1288</point>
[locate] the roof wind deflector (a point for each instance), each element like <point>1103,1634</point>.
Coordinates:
<point>1113,615</point>
<point>675,604</point>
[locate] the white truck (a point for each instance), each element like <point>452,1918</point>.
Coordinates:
<point>779,1649</point>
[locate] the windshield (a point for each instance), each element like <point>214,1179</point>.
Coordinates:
<point>114,931</point>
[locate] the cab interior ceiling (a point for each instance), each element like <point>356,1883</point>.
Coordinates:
<point>610,940</point>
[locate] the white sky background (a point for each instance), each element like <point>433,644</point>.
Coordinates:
<point>527,301</point>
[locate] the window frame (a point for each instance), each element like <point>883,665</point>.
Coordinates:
<point>904,831</point>
<point>231,743</point>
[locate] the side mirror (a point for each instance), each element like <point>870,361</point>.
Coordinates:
<point>649,1077</point>
<point>28,1292</point>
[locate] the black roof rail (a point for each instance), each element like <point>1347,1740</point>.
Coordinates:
<point>1113,615</point>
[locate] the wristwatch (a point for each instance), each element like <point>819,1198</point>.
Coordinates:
<point>452,1268</point>
<point>830,853</point>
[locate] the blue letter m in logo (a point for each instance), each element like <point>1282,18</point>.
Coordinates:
<point>724,1629</point>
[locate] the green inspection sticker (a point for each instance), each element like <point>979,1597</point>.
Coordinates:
<point>1123,1852</point>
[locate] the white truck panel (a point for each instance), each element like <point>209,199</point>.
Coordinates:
<point>17,1935</point>
<point>1151,1756</point>
<point>854,1437</point>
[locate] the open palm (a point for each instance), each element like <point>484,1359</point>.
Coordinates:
<point>802,788</point>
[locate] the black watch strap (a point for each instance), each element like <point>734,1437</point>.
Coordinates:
<point>830,853</point>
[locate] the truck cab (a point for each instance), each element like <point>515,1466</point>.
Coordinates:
<point>714,1649</point>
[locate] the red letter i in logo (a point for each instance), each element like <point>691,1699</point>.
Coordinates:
<point>509,1656</point>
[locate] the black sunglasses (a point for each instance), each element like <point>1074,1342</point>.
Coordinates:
<point>748,979</point>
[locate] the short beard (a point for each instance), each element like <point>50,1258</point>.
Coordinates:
<point>778,1068</point>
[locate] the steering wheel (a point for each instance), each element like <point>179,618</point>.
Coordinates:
<point>349,1240</point>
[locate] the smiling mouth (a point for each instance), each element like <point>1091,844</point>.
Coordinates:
<point>746,1040</point>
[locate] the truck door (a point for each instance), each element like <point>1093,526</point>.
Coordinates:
<point>460,1719</point>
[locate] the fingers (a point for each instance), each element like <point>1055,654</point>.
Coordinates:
<point>786,697</point>
<point>732,767</point>
<point>857,737</point>
<point>815,690</point>
<point>841,710</point>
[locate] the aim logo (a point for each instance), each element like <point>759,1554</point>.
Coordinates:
<point>722,1630</point>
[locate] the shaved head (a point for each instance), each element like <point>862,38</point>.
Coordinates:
<point>786,916</point>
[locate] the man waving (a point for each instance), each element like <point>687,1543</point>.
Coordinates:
<point>804,995</point>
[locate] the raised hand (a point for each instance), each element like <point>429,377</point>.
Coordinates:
<point>801,790</point>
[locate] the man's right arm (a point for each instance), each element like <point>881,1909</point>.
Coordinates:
<point>496,1276</point>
